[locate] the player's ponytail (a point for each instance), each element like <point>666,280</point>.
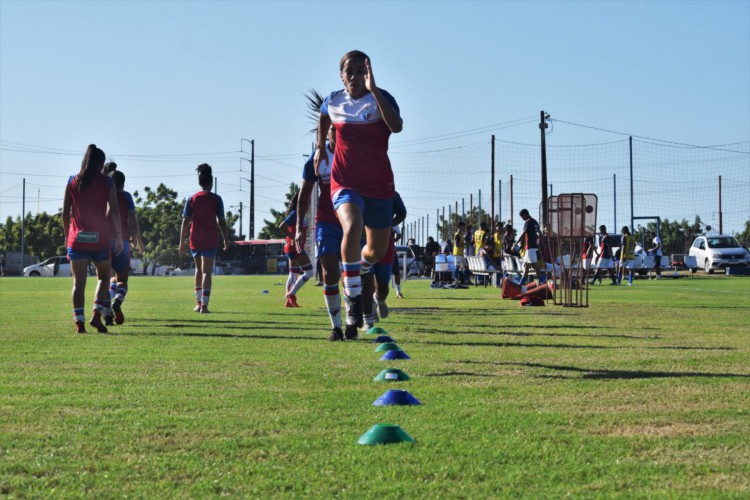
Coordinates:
<point>91,165</point>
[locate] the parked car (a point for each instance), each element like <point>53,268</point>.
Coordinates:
<point>413,266</point>
<point>720,251</point>
<point>54,266</point>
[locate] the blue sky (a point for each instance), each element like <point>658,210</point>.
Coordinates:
<point>152,82</point>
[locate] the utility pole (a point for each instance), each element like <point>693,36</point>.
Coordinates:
<point>240,235</point>
<point>721,218</point>
<point>543,131</point>
<point>492,184</point>
<point>23,227</point>
<point>251,215</point>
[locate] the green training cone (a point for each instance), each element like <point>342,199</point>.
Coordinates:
<point>391,375</point>
<point>376,330</point>
<point>388,346</point>
<point>385,434</point>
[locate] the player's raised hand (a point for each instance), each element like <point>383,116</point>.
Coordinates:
<point>369,77</point>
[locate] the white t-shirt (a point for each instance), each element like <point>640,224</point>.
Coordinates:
<point>657,241</point>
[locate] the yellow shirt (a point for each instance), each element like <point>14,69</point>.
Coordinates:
<point>628,250</point>
<point>458,244</point>
<point>498,245</point>
<point>479,238</point>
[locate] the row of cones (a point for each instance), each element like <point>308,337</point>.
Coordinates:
<point>389,433</point>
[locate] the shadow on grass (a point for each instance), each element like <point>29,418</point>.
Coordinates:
<point>459,374</point>
<point>249,336</point>
<point>569,346</point>
<point>527,334</point>
<point>604,374</point>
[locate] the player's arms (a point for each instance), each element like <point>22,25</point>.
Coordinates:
<point>135,231</point>
<point>184,228</point>
<point>66,213</point>
<point>303,203</point>
<point>224,232</point>
<point>321,152</point>
<point>114,209</point>
<point>390,116</point>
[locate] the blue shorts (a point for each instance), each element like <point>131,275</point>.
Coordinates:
<point>396,266</point>
<point>376,214</point>
<point>382,272</point>
<point>328,237</point>
<point>204,253</point>
<point>95,255</point>
<point>121,261</point>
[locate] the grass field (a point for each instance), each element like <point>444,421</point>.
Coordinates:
<point>645,393</point>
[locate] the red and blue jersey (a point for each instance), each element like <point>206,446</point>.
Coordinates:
<point>125,204</point>
<point>325,212</point>
<point>89,226</point>
<point>361,161</point>
<point>204,208</point>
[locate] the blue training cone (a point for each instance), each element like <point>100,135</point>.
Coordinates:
<point>382,339</point>
<point>390,355</point>
<point>396,397</point>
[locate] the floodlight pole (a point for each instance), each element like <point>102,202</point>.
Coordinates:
<point>492,184</point>
<point>721,218</point>
<point>632,227</point>
<point>542,129</point>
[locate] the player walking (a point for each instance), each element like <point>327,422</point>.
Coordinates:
<point>87,197</point>
<point>362,186</point>
<point>530,240</point>
<point>627,254</point>
<point>202,212</point>
<point>118,285</point>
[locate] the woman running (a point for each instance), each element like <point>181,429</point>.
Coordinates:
<point>299,262</point>
<point>362,186</point>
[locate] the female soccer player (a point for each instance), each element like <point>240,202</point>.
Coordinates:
<point>362,186</point>
<point>328,232</point>
<point>200,216</point>
<point>299,262</point>
<point>84,214</point>
<point>118,285</point>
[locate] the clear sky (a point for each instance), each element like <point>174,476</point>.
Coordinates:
<point>163,86</point>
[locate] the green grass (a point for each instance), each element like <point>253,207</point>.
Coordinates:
<point>645,393</point>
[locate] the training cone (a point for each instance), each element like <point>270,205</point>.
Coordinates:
<point>376,330</point>
<point>264,291</point>
<point>396,397</point>
<point>388,346</point>
<point>394,355</point>
<point>382,338</point>
<point>391,375</point>
<point>385,434</point>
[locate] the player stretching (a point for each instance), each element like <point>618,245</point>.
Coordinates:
<point>118,285</point>
<point>299,262</point>
<point>362,186</point>
<point>200,216</point>
<point>85,224</point>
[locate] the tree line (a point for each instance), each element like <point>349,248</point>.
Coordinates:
<point>159,215</point>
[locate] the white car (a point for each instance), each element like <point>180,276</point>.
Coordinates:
<point>403,251</point>
<point>719,251</point>
<point>54,266</point>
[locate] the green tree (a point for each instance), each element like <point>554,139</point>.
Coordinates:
<point>44,236</point>
<point>271,229</point>
<point>160,217</point>
<point>744,236</point>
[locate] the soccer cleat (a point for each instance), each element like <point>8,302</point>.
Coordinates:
<point>336,334</point>
<point>80,327</point>
<point>351,332</point>
<point>367,327</point>
<point>96,322</point>
<point>380,307</point>
<point>292,299</point>
<point>197,308</point>
<point>204,310</point>
<point>288,302</point>
<point>354,311</point>
<point>117,308</point>
<point>109,320</point>
<point>400,296</point>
